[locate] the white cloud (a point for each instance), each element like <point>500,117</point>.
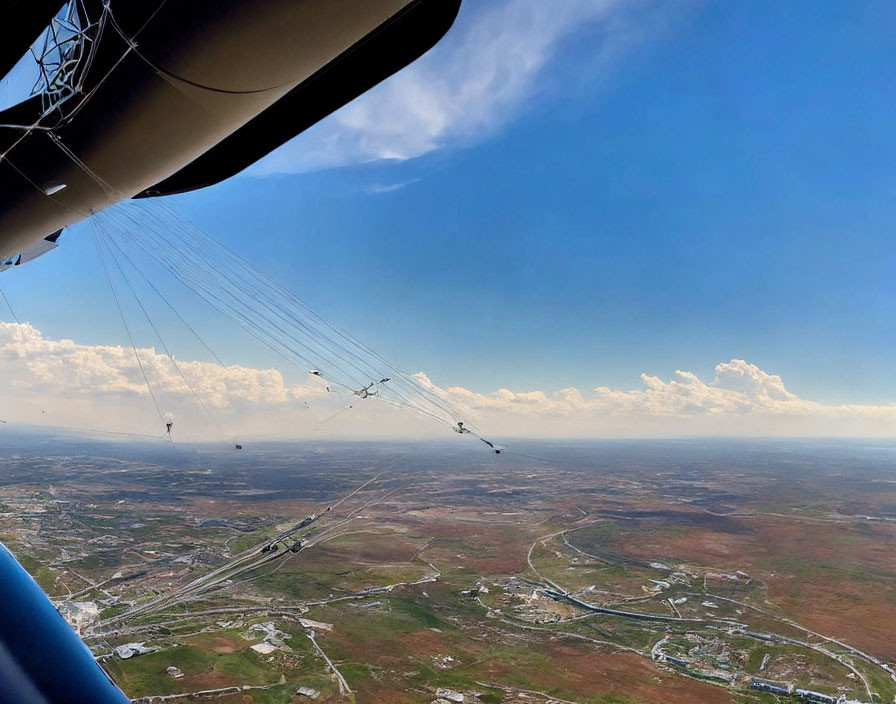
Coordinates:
<point>475,80</point>
<point>63,383</point>
<point>35,363</point>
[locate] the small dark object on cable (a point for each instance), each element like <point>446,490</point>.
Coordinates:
<point>496,448</point>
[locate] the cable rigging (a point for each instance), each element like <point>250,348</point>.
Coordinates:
<point>284,323</point>
<point>167,424</point>
<point>9,305</point>
<point>159,336</point>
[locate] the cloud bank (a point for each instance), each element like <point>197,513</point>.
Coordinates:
<point>63,383</point>
<point>741,400</point>
<point>473,82</point>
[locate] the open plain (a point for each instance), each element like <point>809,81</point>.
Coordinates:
<point>676,571</point>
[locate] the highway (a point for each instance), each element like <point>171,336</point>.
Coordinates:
<point>247,561</point>
<point>343,685</point>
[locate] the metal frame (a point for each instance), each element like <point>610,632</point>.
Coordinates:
<point>66,50</point>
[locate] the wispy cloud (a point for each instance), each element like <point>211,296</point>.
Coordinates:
<point>63,383</point>
<point>377,188</point>
<point>476,80</point>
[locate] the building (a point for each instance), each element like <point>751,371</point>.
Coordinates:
<point>770,687</point>
<point>815,697</point>
<point>132,650</point>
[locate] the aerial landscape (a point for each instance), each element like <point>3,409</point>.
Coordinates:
<point>626,571</point>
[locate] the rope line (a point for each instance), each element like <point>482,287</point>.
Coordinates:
<point>8,305</point>
<point>167,303</point>
<point>168,74</point>
<point>261,306</point>
<point>161,339</point>
<point>113,432</point>
<point>124,321</point>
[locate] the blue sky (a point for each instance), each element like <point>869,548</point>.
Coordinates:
<point>662,189</point>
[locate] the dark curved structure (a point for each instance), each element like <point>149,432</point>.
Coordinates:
<point>42,660</point>
<point>392,46</point>
<point>170,97</point>
<point>31,18</point>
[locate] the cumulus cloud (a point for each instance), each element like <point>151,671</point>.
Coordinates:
<point>741,400</point>
<point>32,362</point>
<point>471,83</point>
<point>64,383</point>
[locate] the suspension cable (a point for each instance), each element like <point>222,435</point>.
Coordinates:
<point>8,305</point>
<point>96,241</point>
<point>161,339</point>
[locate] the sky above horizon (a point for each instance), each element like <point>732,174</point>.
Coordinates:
<point>589,195</point>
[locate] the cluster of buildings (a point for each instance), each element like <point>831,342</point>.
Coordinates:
<point>702,673</point>
<point>526,600</point>
<point>807,695</point>
<point>273,638</point>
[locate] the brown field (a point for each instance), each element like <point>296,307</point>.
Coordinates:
<point>835,577</point>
